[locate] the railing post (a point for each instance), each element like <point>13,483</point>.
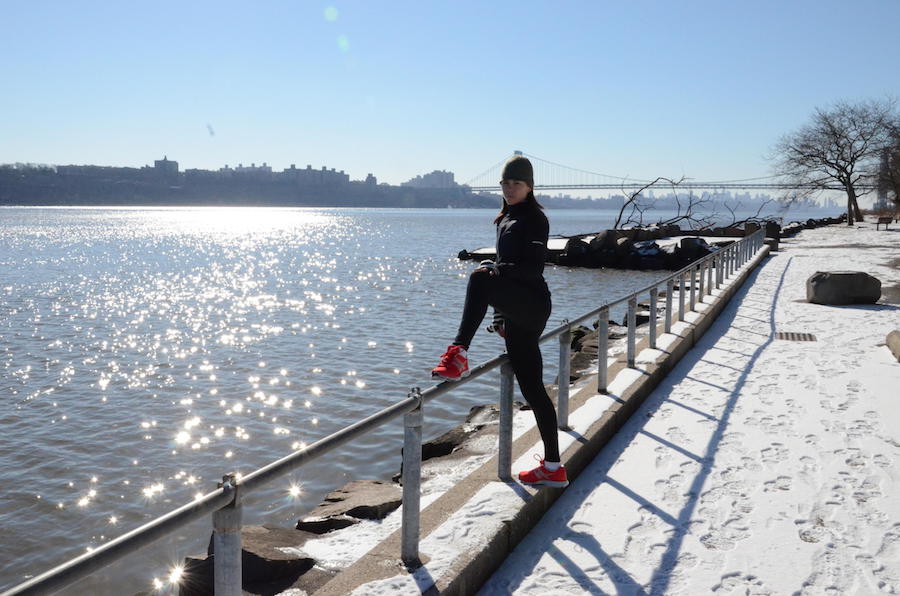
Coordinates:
<point>709,275</point>
<point>412,476</point>
<point>632,329</point>
<point>670,287</point>
<point>504,448</point>
<point>602,350</point>
<point>719,265</point>
<point>681,293</point>
<point>693,287</point>
<point>562,395</point>
<point>227,574</point>
<point>654,299</point>
<point>732,260</point>
<point>702,278</point>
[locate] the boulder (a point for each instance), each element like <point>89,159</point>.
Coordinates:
<point>641,317</point>
<point>584,356</point>
<point>448,442</point>
<point>648,255</point>
<point>575,253</point>
<point>604,239</point>
<point>842,287</point>
<point>578,335</point>
<point>324,525</point>
<point>646,248</point>
<point>483,414</point>
<point>691,248</point>
<point>791,229</point>
<point>623,246</point>
<point>645,234</point>
<point>265,568</point>
<point>358,500</point>
<point>893,343</point>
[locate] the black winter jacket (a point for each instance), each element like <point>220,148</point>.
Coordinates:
<point>522,244</point>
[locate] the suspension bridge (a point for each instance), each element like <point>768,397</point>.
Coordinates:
<point>555,176</point>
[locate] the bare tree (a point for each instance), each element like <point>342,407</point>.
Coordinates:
<point>691,210</point>
<point>841,144</point>
<point>636,202</point>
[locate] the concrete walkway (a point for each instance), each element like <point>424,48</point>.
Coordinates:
<point>760,465</point>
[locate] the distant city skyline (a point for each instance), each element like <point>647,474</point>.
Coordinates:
<point>436,179</point>
<point>702,89</point>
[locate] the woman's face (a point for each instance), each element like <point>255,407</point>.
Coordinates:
<point>514,191</point>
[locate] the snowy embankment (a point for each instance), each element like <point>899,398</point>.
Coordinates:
<point>760,465</point>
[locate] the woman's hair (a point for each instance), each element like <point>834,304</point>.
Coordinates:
<point>529,200</point>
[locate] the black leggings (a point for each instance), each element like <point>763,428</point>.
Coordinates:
<point>525,312</point>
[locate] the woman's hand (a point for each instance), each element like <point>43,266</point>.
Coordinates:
<point>487,266</point>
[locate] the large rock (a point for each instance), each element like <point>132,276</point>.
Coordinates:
<point>575,253</point>
<point>604,239</point>
<point>648,255</point>
<point>265,568</point>
<point>842,287</point>
<point>362,499</point>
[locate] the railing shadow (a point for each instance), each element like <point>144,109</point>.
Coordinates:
<point>680,523</point>
<point>662,576</point>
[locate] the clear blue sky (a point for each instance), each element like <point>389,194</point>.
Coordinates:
<point>399,88</point>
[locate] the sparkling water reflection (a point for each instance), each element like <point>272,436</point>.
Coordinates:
<point>145,352</point>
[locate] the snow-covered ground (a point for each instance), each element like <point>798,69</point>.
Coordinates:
<point>760,465</point>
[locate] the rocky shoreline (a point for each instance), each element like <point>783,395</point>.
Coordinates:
<point>643,248</point>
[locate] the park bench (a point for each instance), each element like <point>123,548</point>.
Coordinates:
<point>885,220</point>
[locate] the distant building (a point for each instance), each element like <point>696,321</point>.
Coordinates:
<point>311,177</point>
<point>165,166</point>
<point>435,179</point>
<point>253,171</point>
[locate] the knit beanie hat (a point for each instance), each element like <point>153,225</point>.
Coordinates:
<point>519,168</point>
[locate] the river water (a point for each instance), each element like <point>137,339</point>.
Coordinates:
<point>145,352</point>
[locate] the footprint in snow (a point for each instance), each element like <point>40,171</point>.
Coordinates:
<point>780,483</point>
<point>740,583</point>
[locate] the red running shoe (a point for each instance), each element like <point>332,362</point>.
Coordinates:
<point>541,475</point>
<point>454,364</point>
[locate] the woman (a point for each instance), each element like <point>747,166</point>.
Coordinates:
<point>514,285</point>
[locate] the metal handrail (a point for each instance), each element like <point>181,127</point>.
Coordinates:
<point>225,502</point>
